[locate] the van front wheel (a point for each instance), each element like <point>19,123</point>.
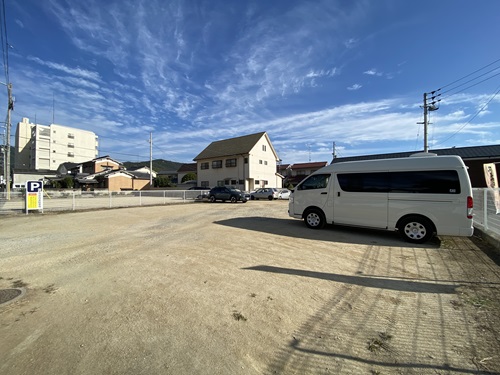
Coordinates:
<point>314,218</point>
<point>416,229</point>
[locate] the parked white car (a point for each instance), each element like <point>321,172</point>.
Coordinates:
<point>265,193</point>
<point>284,194</point>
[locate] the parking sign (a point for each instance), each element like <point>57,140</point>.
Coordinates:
<point>34,195</point>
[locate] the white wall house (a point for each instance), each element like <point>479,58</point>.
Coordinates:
<point>45,147</point>
<point>246,162</point>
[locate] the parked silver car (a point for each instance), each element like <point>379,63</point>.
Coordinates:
<point>265,193</point>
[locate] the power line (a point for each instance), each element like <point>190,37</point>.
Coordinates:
<point>468,75</point>
<point>473,117</point>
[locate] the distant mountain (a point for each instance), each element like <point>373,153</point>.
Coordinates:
<point>159,165</point>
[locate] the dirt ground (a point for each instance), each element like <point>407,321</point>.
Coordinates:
<point>239,289</point>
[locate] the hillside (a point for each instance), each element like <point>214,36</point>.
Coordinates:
<point>159,165</point>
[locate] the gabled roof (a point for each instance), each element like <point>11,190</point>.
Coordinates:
<point>103,158</point>
<point>319,164</point>
<point>229,147</point>
<point>190,167</point>
<point>466,153</point>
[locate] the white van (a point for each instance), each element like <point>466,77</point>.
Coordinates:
<point>418,196</point>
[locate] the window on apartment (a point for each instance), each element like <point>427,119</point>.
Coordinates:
<point>71,145</point>
<point>234,182</point>
<point>71,135</point>
<point>216,164</point>
<point>227,182</point>
<point>205,184</point>
<point>264,148</point>
<point>230,162</point>
<point>260,161</point>
<point>265,162</point>
<point>220,183</point>
<point>241,182</point>
<point>257,182</point>
<point>204,165</point>
<point>71,154</point>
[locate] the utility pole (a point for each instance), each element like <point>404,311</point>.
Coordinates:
<point>7,144</point>
<point>151,159</point>
<point>426,146</point>
<point>334,153</point>
<point>429,107</point>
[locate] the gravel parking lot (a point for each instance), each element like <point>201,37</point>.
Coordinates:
<point>239,289</point>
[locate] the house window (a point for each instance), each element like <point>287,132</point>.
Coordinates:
<point>265,162</point>
<point>71,145</point>
<point>204,165</point>
<point>260,161</point>
<point>220,183</point>
<point>245,160</point>
<point>205,183</point>
<point>233,182</point>
<point>216,164</point>
<point>71,135</point>
<point>264,148</point>
<point>230,162</point>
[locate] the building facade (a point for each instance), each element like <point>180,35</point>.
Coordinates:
<point>248,162</point>
<point>45,147</point>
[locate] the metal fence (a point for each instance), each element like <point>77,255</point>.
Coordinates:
<point>486,213</point>
<point>71,200</point>
<point>486,217</point>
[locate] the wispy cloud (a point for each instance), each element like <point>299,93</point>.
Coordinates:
<point>354,87</point>
<point>65,69</point>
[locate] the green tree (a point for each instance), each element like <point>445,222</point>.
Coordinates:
<point>162,181</point>
<point>189,177</point>
<point>68,182</point>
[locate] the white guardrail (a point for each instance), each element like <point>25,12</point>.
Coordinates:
<point>487,210</point>
<point>71,200</point>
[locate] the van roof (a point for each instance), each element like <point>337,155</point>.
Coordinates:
<point>415,162</point>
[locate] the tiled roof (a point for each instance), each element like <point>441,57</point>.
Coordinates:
<point>190,167</point>
<point>466,153</point>
<point>319,164</point>
<point>232,146</point>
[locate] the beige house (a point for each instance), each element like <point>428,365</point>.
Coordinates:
<point>248,162</point>
<point>107,173</point>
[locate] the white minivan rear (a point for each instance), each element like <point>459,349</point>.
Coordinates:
<point>418,196</point>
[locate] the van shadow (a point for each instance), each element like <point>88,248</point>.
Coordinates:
<point>334,233</point>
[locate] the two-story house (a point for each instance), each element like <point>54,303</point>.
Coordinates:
<point>247,162</point>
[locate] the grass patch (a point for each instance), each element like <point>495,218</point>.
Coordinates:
<point>239,316</point>
<point>378,343</point>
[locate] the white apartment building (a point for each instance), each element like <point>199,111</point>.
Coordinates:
<point>45,147</point>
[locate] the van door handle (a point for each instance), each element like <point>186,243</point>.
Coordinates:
<point>324,193</point>
<point>338,194</point>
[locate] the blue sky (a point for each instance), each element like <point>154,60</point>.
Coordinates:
<point>309,73</point>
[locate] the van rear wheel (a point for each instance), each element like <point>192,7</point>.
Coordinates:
<point>416,229</point>
<point>314,218</point>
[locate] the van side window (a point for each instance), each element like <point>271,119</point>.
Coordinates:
<point>418,182</point>
<point>425,182</point>
<point>316,181</point>
<point>364,182</point>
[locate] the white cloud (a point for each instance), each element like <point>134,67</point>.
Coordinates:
<point>79,72</point>
<point>354,87</point>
